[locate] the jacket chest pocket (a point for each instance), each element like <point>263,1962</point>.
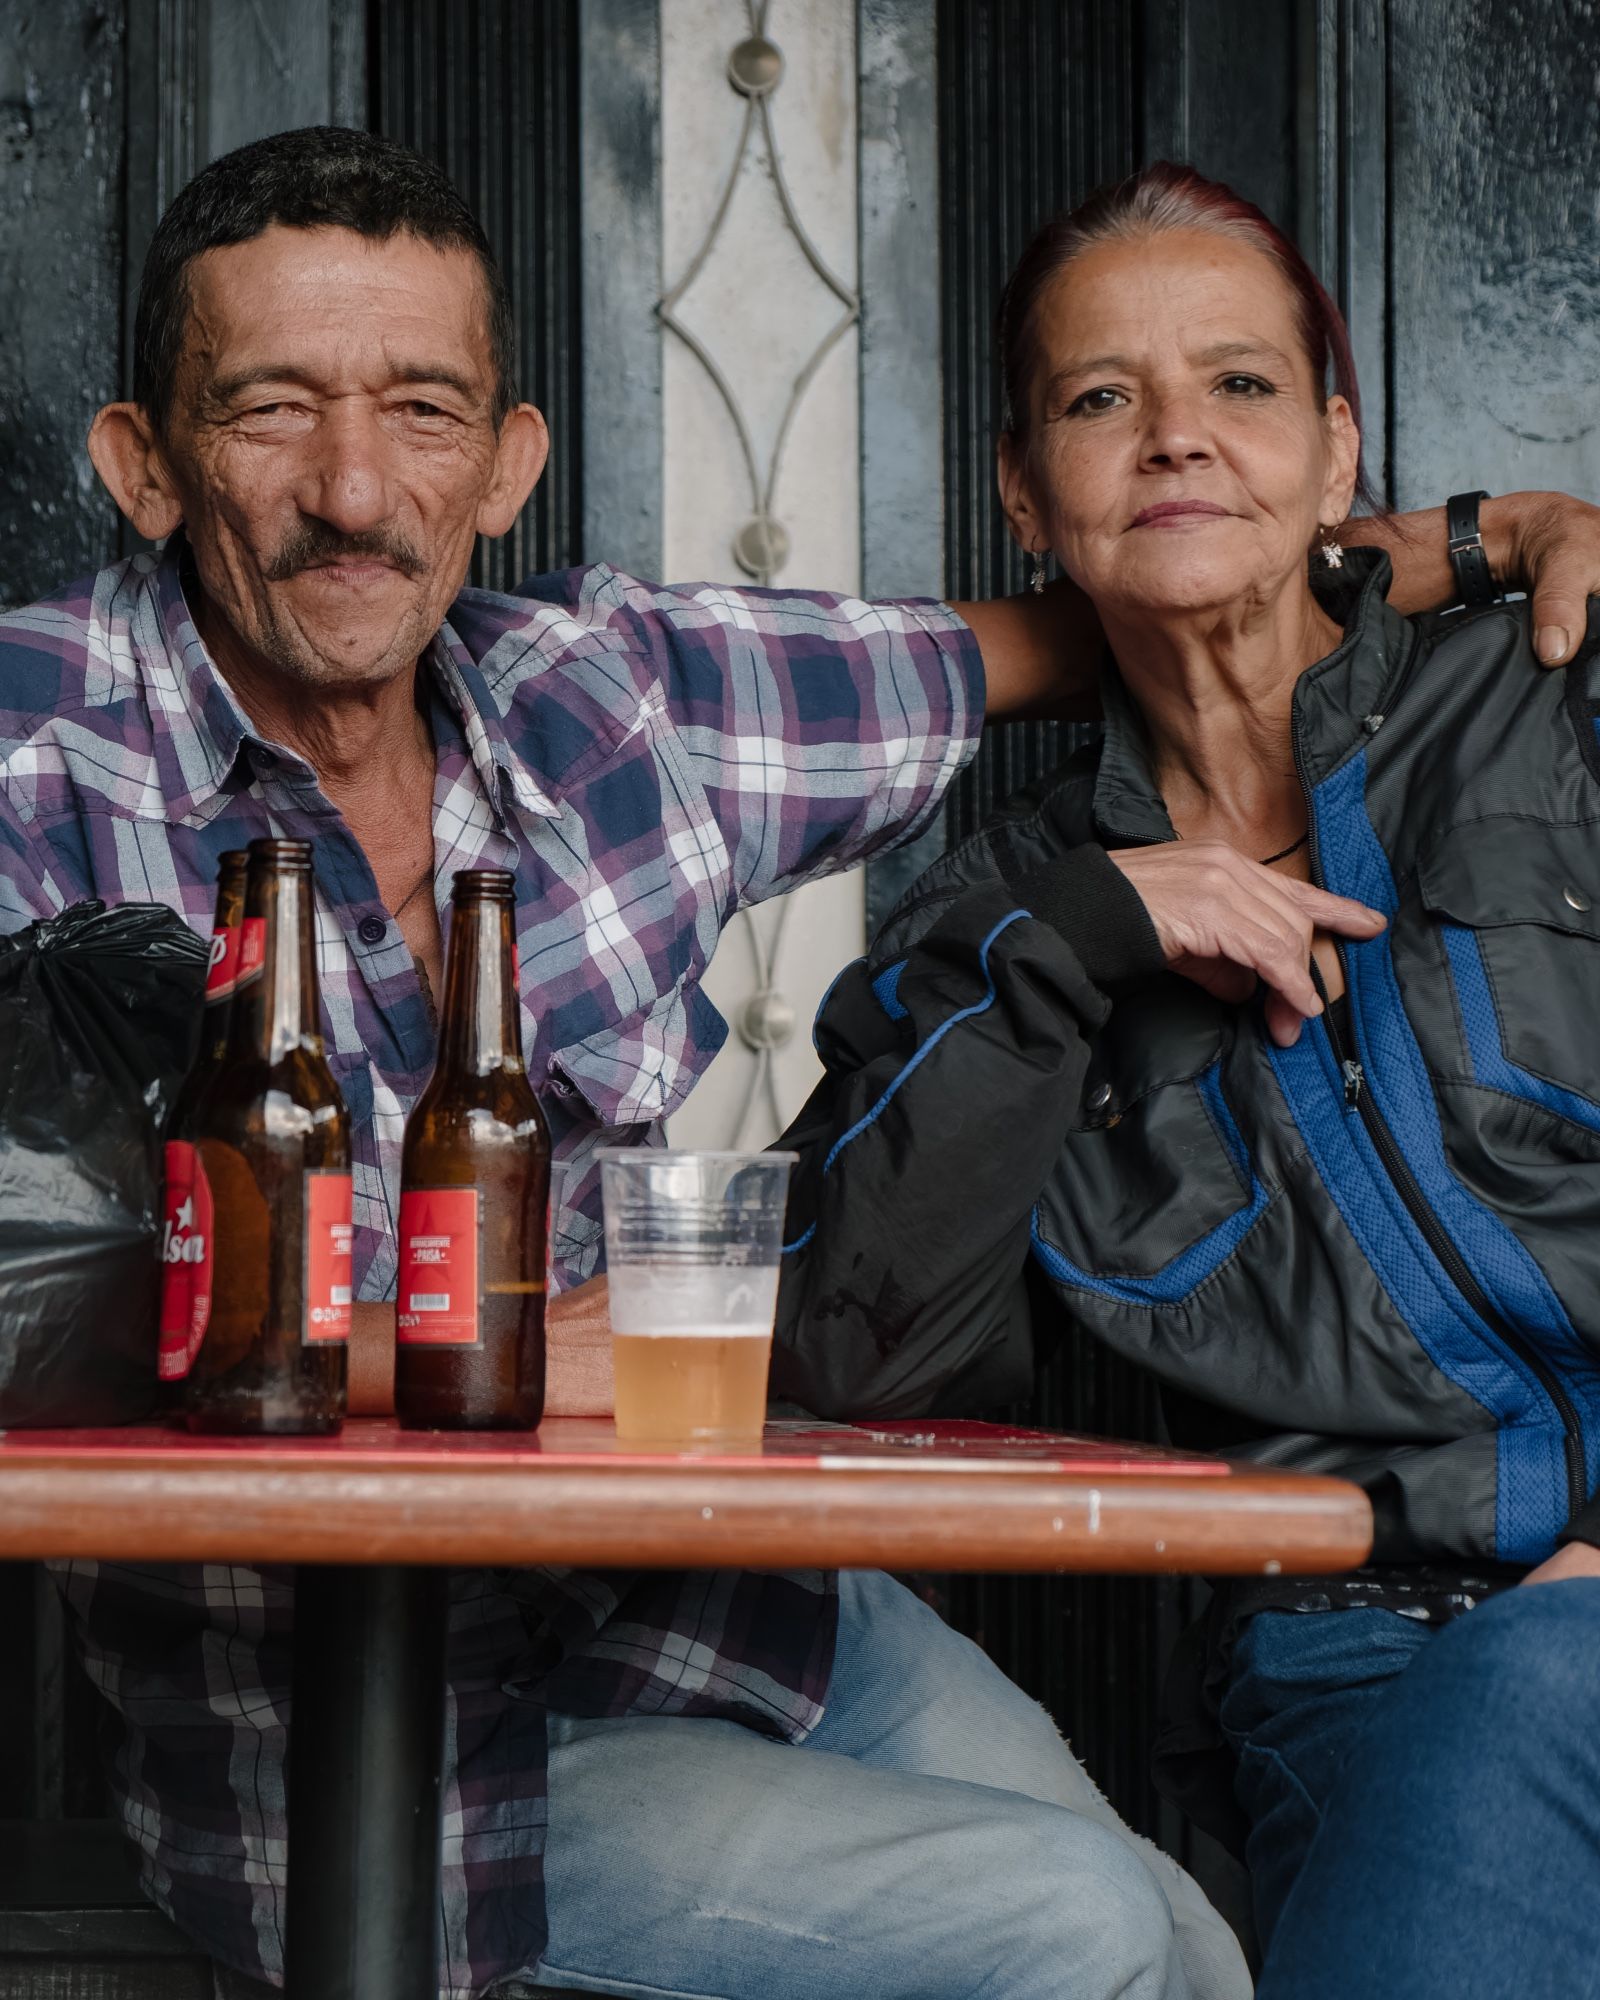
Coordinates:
<point>1517,902</point>
<point>1155,1189</point>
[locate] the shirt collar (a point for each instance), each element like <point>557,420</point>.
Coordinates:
<point>1334,703</point>
<point>206,731</point>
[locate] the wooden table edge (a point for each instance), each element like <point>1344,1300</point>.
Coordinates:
<point>681,1515</point>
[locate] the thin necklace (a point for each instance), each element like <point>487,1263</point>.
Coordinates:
<point>1267,860</point>
<point>1283,853</point>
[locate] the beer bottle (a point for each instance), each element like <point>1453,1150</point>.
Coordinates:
<point>474,1194</point>
<point>184,1310</point>
<point>272,1178</point>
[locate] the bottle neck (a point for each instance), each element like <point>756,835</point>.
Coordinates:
<point>481,1028</point>
<point>277,1008</point>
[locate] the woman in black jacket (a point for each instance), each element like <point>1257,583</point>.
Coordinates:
<point>1261,1044</point>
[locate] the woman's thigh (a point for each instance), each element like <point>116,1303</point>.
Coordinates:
<point>1458,1855</point>
<point>1302,1689</point>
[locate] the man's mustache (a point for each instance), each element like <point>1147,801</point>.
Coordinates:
<point>314,543</point>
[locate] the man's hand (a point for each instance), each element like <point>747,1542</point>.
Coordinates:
<point>1549,545</point>
<point>1576,1559</point>
<point>578,1380</point>
<point>372,1358</point>
<point>577,1347</point>
<point>1226,922</point>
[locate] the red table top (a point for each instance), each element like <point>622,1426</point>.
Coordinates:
<point>908,1495</point>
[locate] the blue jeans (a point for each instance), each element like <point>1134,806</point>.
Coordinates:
<point>934,1839</point>
<point>1425,1801</point>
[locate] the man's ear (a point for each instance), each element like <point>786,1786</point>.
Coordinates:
<point>1016,495</point>
<point>128,458</point>
<point>520,454</point>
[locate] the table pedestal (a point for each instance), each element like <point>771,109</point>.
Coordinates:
<point>366,1749</point>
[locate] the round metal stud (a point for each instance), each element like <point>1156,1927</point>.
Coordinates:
<point>1100,1097</point>
<point>755,69</point>
<point>766,1021</point>
<point>1575,898</point>
<point>761,546</point>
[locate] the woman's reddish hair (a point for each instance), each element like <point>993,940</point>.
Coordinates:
<point>1159,198</point>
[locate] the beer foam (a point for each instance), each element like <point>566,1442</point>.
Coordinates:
<point>705,1301</point>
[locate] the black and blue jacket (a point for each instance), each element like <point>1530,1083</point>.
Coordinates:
<point>1377,1252</point>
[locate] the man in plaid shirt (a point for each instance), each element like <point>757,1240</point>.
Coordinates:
<point>726,1784</point>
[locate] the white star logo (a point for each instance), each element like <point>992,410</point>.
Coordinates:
<point>186,1214</point>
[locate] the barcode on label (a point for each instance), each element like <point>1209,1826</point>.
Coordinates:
<point>430,1302</point>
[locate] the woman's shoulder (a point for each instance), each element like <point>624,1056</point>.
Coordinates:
<point>1498,635</point>
<point>1026,832</point>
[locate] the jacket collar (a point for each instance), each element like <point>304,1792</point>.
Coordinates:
<point>1334,701</point>
<point>204,734</point>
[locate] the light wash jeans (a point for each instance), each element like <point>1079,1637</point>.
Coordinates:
<point>934,1839</point>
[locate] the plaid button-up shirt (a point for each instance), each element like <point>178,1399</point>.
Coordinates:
<point>647,761</point>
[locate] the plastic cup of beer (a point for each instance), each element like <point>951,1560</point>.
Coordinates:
<point>693,1242</point>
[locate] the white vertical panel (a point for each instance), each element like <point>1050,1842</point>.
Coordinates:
<point>760,311</point>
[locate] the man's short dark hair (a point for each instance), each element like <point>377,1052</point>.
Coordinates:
<point>323,176</point>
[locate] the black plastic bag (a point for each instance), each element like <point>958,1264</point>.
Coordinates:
<point>99,1013</point>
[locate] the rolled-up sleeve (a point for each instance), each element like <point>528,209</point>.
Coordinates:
<point>822,729</point>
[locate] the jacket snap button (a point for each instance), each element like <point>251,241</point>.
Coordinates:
<point>1575,898</point>
<point>1100,1097</point>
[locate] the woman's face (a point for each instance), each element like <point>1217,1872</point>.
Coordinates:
<point>1178,454</point>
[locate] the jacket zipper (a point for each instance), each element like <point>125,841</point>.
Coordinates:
<point>1438,1238</point>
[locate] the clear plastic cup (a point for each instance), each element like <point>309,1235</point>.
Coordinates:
<point>693,1243</point>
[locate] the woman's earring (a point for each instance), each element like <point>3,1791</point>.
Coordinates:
<point>1332,553</point>
<point>1036,577</point>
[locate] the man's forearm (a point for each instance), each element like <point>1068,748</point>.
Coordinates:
<point>1041,654</point>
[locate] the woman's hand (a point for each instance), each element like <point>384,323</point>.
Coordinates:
<point>1226,922</point>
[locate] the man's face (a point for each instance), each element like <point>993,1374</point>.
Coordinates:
<point>333,446</point>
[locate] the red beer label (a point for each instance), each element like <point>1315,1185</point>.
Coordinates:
<point>222,974</point>
<point>186,1252</point>
<point>330,1240</point>
<point>252,949</point>
<point>437,1298</point>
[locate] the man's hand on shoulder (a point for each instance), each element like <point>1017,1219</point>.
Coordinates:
<point>1547,544</point>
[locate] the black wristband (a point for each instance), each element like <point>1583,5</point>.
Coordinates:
<point>1474,584</point>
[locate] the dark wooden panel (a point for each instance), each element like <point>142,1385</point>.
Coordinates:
<point>1496,245</point>
<point>489,89</point>
<point>61,162</point>
<point>1037,105</point>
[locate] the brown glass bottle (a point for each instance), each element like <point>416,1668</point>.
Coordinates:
<point>272,1145</point>
<point>184,1308</point>
<point>474,1194</point>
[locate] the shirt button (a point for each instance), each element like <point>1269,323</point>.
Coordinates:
<point>372,930</point>
<point>1575,898</point>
